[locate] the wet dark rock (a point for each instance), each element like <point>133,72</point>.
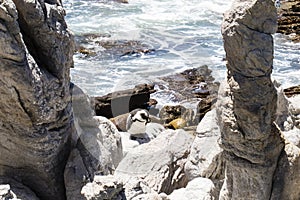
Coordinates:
<point>170,113</point>
<point>85,51</point>
<point>291,91</point>
<point>196,84</point>
<point>121,102</point>
<point>100,45</point>
<point>289,18</point>
<point>138,52</point>
<point>203,107</point>
<point>193,83</point>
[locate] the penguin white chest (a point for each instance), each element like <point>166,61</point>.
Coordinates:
<point>136,122</point>
<point>137,128</point>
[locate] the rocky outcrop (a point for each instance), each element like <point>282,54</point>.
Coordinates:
<point>247,102</point>
<point>35,113</point>
<point>289,18</point>
<point>121,102</point>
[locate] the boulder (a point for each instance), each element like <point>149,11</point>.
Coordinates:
<point>111,139</point>
<point>90,138</point>
<point>127,143</point>
<point>205,159</point>
<point>198,188</point>
<point>121,102</point>
<point>36,112</point>
<point>158,164</point>
<point>247,102</point>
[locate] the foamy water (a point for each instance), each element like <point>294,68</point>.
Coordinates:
<point>185,34</point>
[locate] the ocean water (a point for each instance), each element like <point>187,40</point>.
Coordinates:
<point>184,33</point>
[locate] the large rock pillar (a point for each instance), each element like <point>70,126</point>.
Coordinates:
<point>35,111</point>
<point>247,101</point>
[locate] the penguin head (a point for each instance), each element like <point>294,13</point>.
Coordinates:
<point>140,115</point>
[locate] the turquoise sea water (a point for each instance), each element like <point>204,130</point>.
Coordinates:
<point>184,33</point>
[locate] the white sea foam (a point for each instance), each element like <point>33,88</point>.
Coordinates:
<point>185,33</point>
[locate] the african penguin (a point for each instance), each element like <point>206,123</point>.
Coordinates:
<point>137,121</point>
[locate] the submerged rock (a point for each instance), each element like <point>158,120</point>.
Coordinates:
<point>192,83</point>
<point>101,46</point>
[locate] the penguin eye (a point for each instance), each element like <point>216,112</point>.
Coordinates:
<point>144,116</point>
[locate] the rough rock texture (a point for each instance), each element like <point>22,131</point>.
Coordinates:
<point>205,159</point>
<point>97,146</point>
<point>35,112</point>
<point>12,190</point>
<point>287,176</point>
<point>157,164</point>
<point>121,102</point>
<point>289,18</point>
<point>103,188</point>
<point>247,102</point>
<point>198,188</point>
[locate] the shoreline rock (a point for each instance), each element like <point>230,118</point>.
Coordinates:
<point>289,20</point>
<point>192,85</point>
<point>122,102</point>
